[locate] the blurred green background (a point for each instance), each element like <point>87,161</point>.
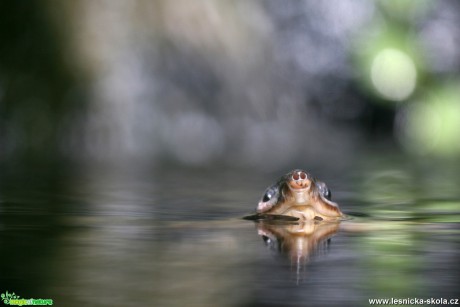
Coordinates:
<point>259,84</point>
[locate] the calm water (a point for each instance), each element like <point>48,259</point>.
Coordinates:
<point>175,237</point>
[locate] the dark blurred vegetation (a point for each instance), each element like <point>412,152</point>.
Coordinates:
<point>35,84</point>
<point>244,83</point>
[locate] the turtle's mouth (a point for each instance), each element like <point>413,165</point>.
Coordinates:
<point>300,184</point>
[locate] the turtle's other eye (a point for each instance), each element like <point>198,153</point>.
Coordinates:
<point>327,193</point>
<point>324,190</point>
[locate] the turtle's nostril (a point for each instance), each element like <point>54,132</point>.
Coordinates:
<point>299,180</point>
<point>299,176</point>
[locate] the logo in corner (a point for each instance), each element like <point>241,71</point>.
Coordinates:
<point>13,299</point>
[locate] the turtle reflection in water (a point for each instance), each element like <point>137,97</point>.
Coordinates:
<point>298,242</point>
<point>296,215</point>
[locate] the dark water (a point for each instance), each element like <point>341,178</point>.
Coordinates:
<point>175,237</point>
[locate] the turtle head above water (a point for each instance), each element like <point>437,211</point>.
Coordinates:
<point>300,195</point>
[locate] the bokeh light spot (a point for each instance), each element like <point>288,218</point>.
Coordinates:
<point>393,74</point>
<point>432,126</point>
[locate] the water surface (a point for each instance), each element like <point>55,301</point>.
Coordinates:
<point>175,237</point>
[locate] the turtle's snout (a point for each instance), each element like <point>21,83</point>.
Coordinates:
<point>299,175</point>
<point>299,180</point>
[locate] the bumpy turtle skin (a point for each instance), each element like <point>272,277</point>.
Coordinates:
<point>300,195</point>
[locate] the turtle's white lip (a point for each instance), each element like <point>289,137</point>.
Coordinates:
<point>264,206</point>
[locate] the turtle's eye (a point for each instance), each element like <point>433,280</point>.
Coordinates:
<point>268,195</point>
<point>271,193</point>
